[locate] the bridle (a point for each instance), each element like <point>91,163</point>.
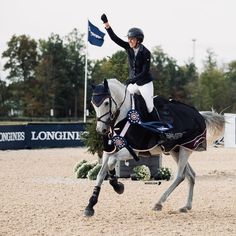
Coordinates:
<point>112,116</point>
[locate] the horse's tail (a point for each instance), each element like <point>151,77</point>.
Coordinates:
<point>215,124</point>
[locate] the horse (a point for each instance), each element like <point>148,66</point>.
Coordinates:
<point>112,102</point>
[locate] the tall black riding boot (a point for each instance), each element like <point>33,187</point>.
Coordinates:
<point>154,115</point>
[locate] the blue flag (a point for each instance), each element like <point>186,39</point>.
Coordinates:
<point>95,36</point>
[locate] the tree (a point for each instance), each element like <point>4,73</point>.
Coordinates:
<point>189,78</point>
<point>165,71</point>
<point>22,58</point>
<point>212,86</point>
<point>4,95</point>
<point>114,67</point>
<point>61,74</point>
<point>53,77</point>
<point>171,80</point>
<point>230,76</point>
<point>75,62</point>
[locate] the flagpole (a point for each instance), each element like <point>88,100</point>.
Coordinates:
<point>86,77</point>
<point>95,38</point>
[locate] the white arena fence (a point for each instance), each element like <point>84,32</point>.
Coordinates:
<point>230,130</point>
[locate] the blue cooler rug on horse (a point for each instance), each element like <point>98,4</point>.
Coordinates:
<point>188,127</point>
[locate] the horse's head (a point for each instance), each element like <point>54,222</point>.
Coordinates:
<point>105,107</point>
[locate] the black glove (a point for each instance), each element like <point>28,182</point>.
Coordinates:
<point>104,18</point>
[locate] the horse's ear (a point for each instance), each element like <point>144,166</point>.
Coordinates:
<point>93,86</point>
<point>105,84</point>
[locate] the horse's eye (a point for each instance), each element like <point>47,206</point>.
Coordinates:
<point>106,103</point>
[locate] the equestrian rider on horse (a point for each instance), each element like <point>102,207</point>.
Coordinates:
<point>140,79</point>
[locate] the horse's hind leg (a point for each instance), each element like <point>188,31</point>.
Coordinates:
<point>182,159</point>
<point>190,174</point>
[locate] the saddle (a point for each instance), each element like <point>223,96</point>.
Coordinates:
<point>161,106</point>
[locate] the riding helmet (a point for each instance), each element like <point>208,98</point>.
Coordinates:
<point>136,33</point>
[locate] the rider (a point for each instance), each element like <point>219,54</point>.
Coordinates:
<point>140,79</point>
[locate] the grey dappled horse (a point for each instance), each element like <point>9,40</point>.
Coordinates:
<point>112,105</point>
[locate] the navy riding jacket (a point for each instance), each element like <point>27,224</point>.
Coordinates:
<point>139,65</point>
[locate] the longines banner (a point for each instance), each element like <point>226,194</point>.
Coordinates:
<point>41,135</point>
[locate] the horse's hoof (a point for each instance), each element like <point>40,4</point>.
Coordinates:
<point>119,188</point>
<point>88,212</point>
<point>183,210</point>
<point>157,207</point>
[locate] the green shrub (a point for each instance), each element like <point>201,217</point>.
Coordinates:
<point>92,139</point>
<point>84,169</point>
<point>77,166</point>
<point>163,173</point>
<point>92,174</point>
<point>142,172</point>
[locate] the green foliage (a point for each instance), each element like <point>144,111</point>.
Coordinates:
<point>21,56</point>
<point>230,77</point>
<point>213,88</point>
<point>171,80</point>
<point>53,71</point>
<point>4,95</point>
<point>142,172</point>
<point>21,62</point>
<point>79,164</point>
<point>163,173</point>
<point>92,139</point>
<point>83,170</point>
<point>115,67</point>
<point>75,66</point>
<point>92,174</point>
<point>48,74</point>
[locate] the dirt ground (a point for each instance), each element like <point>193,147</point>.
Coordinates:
<point>40,195</point>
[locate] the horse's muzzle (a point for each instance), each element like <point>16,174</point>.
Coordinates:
<point>103,131</point>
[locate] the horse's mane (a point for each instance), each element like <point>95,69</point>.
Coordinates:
<point>114,82</point>
<point>121,96</point>
<point>117,88</point>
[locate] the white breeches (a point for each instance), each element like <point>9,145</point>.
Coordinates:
<point>146,91</point>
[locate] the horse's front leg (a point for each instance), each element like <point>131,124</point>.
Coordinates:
<point>113,179</point>
<point>89,211</point>
<point>123,154</point>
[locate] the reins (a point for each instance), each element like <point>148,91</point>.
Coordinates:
<point>117,112</point>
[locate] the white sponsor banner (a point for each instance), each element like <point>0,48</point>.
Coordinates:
<point>230,130</point>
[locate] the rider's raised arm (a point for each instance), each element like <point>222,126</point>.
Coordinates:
<point>112,35</point>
